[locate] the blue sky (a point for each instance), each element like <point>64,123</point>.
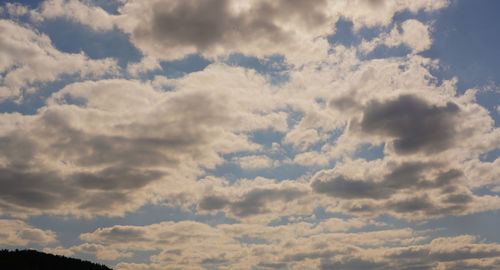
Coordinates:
<point>223,134</point>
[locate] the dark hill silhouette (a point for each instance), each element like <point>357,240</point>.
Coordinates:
<point>35,260</point>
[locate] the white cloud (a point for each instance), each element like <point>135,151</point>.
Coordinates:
<point>79,11</point>
<point>59,251</point>
<point>18,233</point>
<point>253,162</point>
<point>101,252</point>
<point>414,34</point>
<point>294,246</point>
<point>28,57</point>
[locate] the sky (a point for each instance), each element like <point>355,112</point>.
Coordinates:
<point>252,134</point>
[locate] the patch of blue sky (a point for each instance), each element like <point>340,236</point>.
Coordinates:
<point>485,190</point>
<point>29,3</point>
<point>491,155</point>
<point>483,225</point>
<point>182,67</point>
<point>466,42</point>
<point>232,172</point>
<point>110,6</point>
<point>69,229</point>
<point>370,152</point>
<point>31,102</point>
<point>384,52</point>
<point>177,68</point>
<point>345,35</point>
<point>72,37</point>
<point>274,67</point>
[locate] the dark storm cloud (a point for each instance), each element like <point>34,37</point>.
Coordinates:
<point>416,125</point>
<point>255,201</point>
<point>208,23</point>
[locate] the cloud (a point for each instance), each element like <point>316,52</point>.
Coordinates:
<point>59,250</point>
<point>349,189</point>
<point>29,57</point>
<point>412,190</point>
<point>18,233</point>
<point>297,245</point>
<point>413,34</point>
<point>415,125</point>
<point>172,30</point>
<point>253,162</point>
<point>101,252</point>
<point>75,10</point>
<point>104,147</point>
<point>256,200</point>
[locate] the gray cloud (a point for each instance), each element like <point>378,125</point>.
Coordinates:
<point>207,24</point>
<point>341,187</point>
<point>406,175</point>
<point>38,190</point>
<point>459,252</point>
<point>120,234</point>
<point>273,265</point>
<point>416,125</point>
<point>255,201</point>
<point>412,182</point>
<point>213,203</point>
<point>352,263</point>
<point>116,178</point>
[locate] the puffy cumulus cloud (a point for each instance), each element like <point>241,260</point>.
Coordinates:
<point>79,11</point>
<point>409,189</point>
<point>101,252</point>
<point>324,245</point>
<point>59,251</point>
<point>257,200</point>
<point>194,245</point>
<point>19,233</point>
<point>415,125</point>
<point>297,29</point>
<point>110,146</point>
<point>413,34</point>
<point>28,58</point>
<point>370,13</point>
<point>174,29</point>
<point>16,9</point>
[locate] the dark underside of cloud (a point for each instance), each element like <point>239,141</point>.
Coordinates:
<point>253,202</point>
<point>415,125</point>
<point>407,178</point>
<point>207,24</point>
